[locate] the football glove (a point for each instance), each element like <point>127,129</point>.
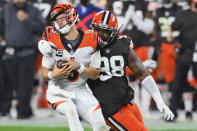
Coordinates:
<point>150,65</point>
<point>162,107</point>
<point>46,47</point>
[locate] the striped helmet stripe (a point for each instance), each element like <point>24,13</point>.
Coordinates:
<point>103,16</point>
<point>106,17</point>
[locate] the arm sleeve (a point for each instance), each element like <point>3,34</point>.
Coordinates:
<point>48,62</point>
<point>149,84</point>
<point>35,24</point>
<point>95,60</point>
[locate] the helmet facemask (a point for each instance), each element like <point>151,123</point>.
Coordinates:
<point>66,28</point>
<point>106,24</point>
<point>71,17</point>
<point>107,35</point>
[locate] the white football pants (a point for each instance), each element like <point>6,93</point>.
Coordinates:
<point>83,103</point>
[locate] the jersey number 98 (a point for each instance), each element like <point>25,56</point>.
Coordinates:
<point>114,66</point>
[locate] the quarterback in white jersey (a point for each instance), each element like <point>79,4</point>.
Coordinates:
<point>66,92</point>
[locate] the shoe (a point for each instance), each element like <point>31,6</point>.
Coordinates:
<point>188,115</point>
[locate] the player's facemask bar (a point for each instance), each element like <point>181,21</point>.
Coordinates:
<point>106,40</point>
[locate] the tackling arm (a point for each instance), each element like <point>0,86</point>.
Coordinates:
<point>91,72</point>
<point>88,71</point>
<point>94,66</point>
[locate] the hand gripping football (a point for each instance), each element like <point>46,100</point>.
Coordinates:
<point>60,63</point>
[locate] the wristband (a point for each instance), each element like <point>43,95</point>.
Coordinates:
<point>79,65</point>
<point>50,75</point>
<point>81,68</point>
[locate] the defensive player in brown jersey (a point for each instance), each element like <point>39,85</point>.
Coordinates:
<point>111,89</point>
<point>67,93</point>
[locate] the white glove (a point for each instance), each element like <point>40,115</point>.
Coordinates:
<point>149,84</point>
<point>162,107</point>
<point>150,65</point>
<point>46,47</point>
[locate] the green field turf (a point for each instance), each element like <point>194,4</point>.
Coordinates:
<point>29,128</point>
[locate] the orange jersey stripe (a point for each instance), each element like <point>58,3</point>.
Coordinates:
<point>57,103</point>
<point>97,108</point>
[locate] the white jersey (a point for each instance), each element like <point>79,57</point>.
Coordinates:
<point>85,54</point>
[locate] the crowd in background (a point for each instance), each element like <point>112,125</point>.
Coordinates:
<point>155,27</point>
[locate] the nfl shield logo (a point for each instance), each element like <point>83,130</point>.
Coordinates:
<point>59,53</point>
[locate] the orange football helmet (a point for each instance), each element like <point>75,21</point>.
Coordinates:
<point>71,17</point>
<point>105,22</point>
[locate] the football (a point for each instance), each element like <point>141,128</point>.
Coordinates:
<point>60,62</point>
